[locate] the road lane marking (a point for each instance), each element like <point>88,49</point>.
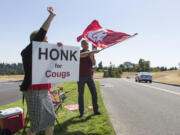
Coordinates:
<point>160,89</point>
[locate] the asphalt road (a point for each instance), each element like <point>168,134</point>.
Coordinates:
<point>142,108</point>
<point>9,92</point>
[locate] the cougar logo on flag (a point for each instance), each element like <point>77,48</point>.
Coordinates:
<point>97,35</point>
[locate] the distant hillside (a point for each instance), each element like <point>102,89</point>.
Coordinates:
<point>172,77</point>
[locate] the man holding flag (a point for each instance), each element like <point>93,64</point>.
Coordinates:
<point>86,76</point>
<point>98,37</point>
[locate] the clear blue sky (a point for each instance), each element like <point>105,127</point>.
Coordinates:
<point>156,21</point>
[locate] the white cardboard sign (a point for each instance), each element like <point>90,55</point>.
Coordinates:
<point>53,64</point>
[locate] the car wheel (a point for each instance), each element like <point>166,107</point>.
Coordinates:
<point>150,81</point>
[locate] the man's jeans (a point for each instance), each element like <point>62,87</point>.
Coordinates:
<point>90,82</point>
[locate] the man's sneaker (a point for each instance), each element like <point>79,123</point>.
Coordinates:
<point>81,116</point>
<point>97,113</point>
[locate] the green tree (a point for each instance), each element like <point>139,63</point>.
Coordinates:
<point>6,69</point>
<point>113,71</point>
<point>11,72</point>
<point>121,68</point>
<point>136,68</point>
<point>144,66</point>
<point>128,66</point>
<point>100,66</point>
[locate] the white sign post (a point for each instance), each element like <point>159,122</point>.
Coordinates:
<point>53,64</point>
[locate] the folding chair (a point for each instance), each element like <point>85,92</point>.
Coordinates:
<point>58,99</point>
<point>56,96</point>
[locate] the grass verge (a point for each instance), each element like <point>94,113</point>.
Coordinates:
<point>70,123</point>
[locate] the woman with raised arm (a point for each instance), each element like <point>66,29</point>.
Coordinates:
<point>39,104</point>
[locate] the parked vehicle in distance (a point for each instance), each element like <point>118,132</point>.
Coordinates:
<point>143,76</point>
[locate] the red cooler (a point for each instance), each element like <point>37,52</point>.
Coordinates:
<point>12,119</point>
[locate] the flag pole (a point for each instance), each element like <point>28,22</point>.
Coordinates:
<point>120,41</point>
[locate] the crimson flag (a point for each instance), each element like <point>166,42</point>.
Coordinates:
<point>101,37</point>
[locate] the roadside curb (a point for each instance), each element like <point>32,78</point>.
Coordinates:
<point>167,83</point>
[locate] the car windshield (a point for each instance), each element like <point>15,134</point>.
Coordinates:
<point>145,73</point>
